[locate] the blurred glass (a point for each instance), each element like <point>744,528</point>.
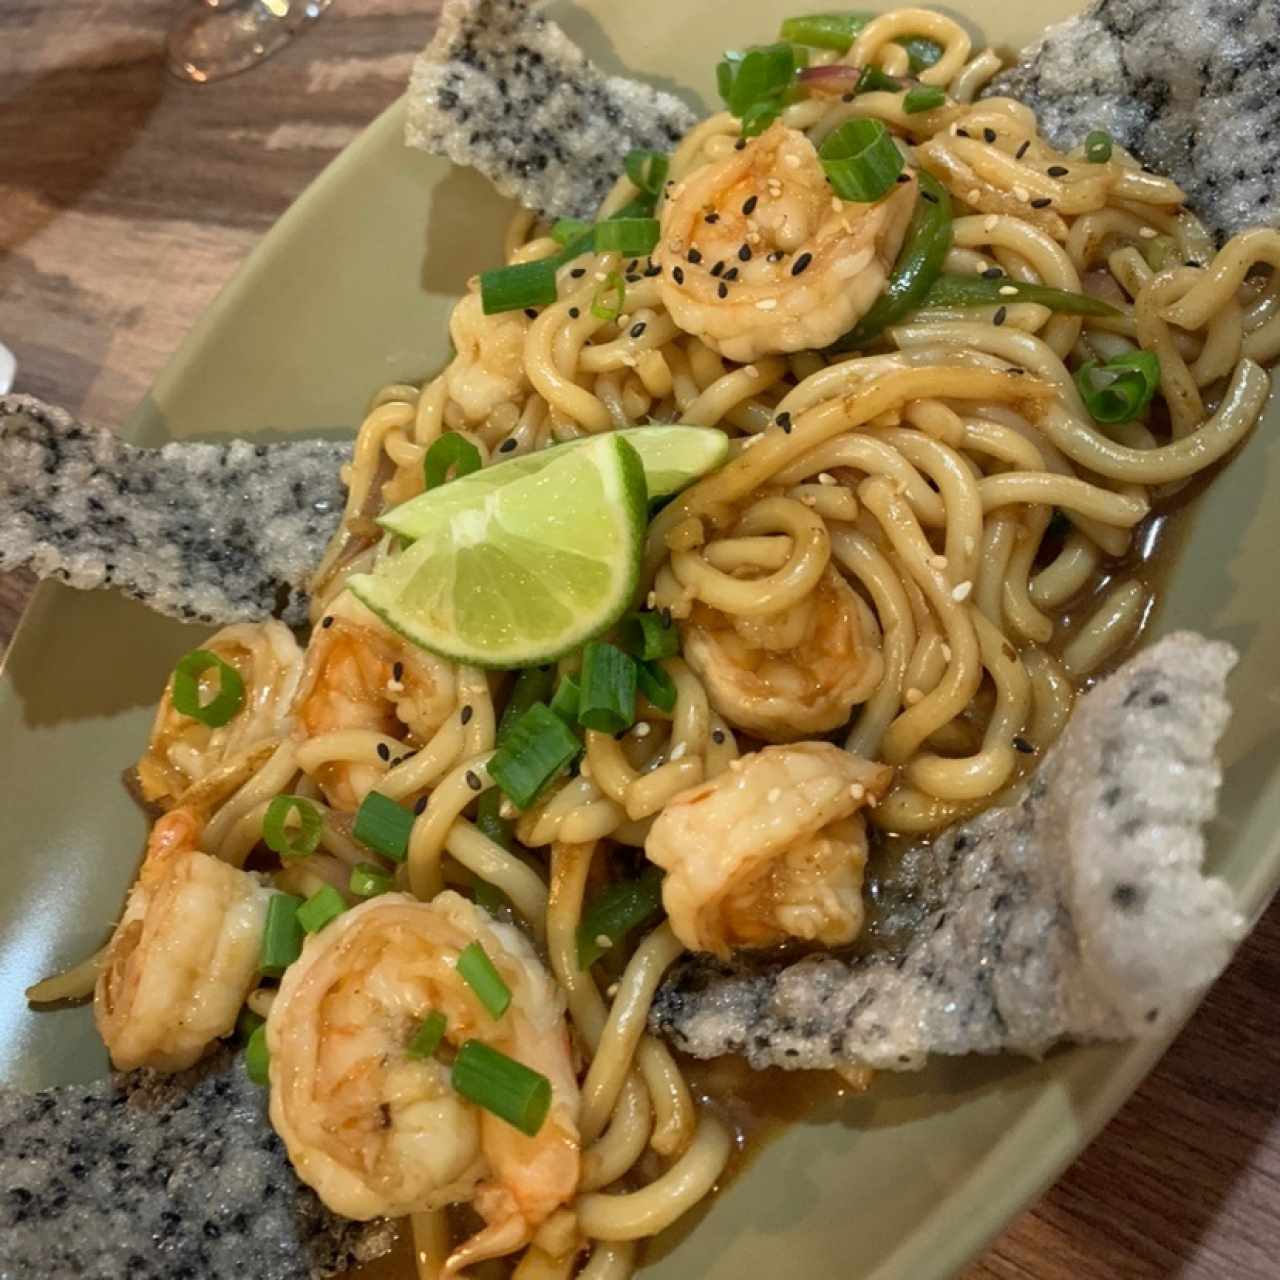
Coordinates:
<point>219,38</point>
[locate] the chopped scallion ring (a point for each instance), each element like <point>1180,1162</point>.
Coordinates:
<point>922,53</point>
<point>450,451</point>
<point>615,912</point>
<point>825,30</point>
<point>186,689</point>
<point>384,826</point>
<point>292,842</point>
<point>426,1040</point>
<point>874,80</point>
<point>479,973</point>
<point>1121,388</point>
<point>861,160</point>
<point>601,307</point>
<point>567,700</point>
<point>524,284</point>
<point>607,689</point>
<point>538,746</point>
<point>368,880</point>
<point>1097,147</point>
<point>653,681</point>
<point>650,636</point>
<point>503,1086</point>
<point>257,1057</point>
<point>647,169</point>
<point>924,98</point>
<point>282,937</point>
<point>629,236</point>
<point>324,905</point>
<point>564,231</point>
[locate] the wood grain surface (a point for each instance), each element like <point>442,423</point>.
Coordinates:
<point>126,201</point>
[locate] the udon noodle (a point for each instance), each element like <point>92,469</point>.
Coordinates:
<point>887,559</point>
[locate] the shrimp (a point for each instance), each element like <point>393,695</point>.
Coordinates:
<point>361,675</point>
<point>184,955</point>
<point>758,255</point>
<point>182,751</point>
<point>783,677</point>
<point>771,850</point>
<point>377,1132</point>
<point>489,368</point>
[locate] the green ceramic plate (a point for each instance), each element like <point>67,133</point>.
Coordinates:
<point>352,290</point>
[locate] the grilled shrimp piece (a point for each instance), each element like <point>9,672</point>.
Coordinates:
<point>181,751</point>
<point>377,1132</point>
<point>770,850</point>
<point>489,367</point>
<point>359,674</point>
<point>184,955</point>
<point>758,254</point>
<point>787,677</point>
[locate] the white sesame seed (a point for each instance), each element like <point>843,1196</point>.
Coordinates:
<point>675,244</point>
<point>775,795</point>
<point>1008,291</point>
<point>973,196</point>
<point>946,653</point>
<point>857,790</point>
<point>507,810</point>
<point>767,304</point>
<point>677,752</point>
<point>1148,233</point>
<point>611,990</point>
<point>642,730</point>
<point>871,800</point>
<point>825,477</point>
<point>961,592</point>
<point>791,161</point>
<point>1021,193</point>
<point>651,600</point>
<point>969,545</point>
<point>809,500</point>
<point>751,371</point>
<point>585,771</point>
<point>836,204</point>
<point>394,686</point>
<point>912,696</point>
<point>989,222</point>
<point>603,941</point>
<point>938,562</point>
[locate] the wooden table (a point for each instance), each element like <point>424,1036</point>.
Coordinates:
<point>126,201</point>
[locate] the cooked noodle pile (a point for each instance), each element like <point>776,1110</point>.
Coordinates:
<point>885,563</point>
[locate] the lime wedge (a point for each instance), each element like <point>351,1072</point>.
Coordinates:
<point>518,573</point>
<point>672,457</point>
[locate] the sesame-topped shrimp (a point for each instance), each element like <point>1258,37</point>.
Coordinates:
<point>789,675</point>
<point>759,255</point>
<point>360,675</point>
<point>771,850</point>
<point>377,1130</point>
<point>184,955</point>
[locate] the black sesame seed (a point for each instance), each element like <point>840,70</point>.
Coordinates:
<point>384,751</point>
<point>722,289</point>
<point>904,177</point>
<point>784,421</point>
<point>473,781</point>
<point>654,270</point>
<point>420,807</point>
<point>712,218</point>
<point>1000,315</point>
<point>846,97</point>
<point>1022,150</point>
<point>989,135</point>
<point>801,263</point>
<point>677,274</point>
<point>665,616</point>
<point>467,713</point>
<point>633,264</point>
<point>962,133</point>
<point>992,273</point>
<point>740,145</point>
<point>506,446</point>
<point>929,196</point>
<point>1056,171</point>
<point>326,622</point>
<point>744,254</point>
<point>718,268</point>
<point>695,256</point>
<point>578,272</point>
<point>717,736</point>
<point>731,274</point>
<point>1021,744</point>
<point>749,205</point>
<point>776,256</point>
<point>638,328</point>
<point>397,672</point>
<point>1016,369</point>
<point>531,313</point>
<point>574,313</point>
<point>1041,202</point>
<point>631,279</point>
<point>1191,262</point>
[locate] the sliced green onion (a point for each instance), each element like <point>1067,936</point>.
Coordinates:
<point>861,160</point>
<point>257,1057</point>
<point>640,206</point>
<point>1097,147</point>
<point>924,249</point>
<point>478,972</point>
<point>538,746</point>
<point>921,52</point>
<point>874,80</point>
<point>282,937</point>
<point>756,74</point>
<point>614,913</point>
<point>384,826</point>
<point>186,689</point>
<point>826,30</point>
<point>759,116</point>
<point>653,681</point>
<point>952,290</point>
<point>525,284</point>
<point>450,451</point>
<point>1121,388</point>
<point>650,635</point>
<point>567,700</point>
<point>368,880</point>
<point>295,842</point>
<point>247,1022</point>
<point>607,689</point>
<point>564,231</point>
<point>631,237</point>
<point>324,905</point>
<point>503,1086</point>
<point>533,684</point>
<point>426,1040</point>
<point>925,98</point>
<point>489,819</point>
<point>488,897</point>
<point>647,169</point>
<point>601,308</point>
